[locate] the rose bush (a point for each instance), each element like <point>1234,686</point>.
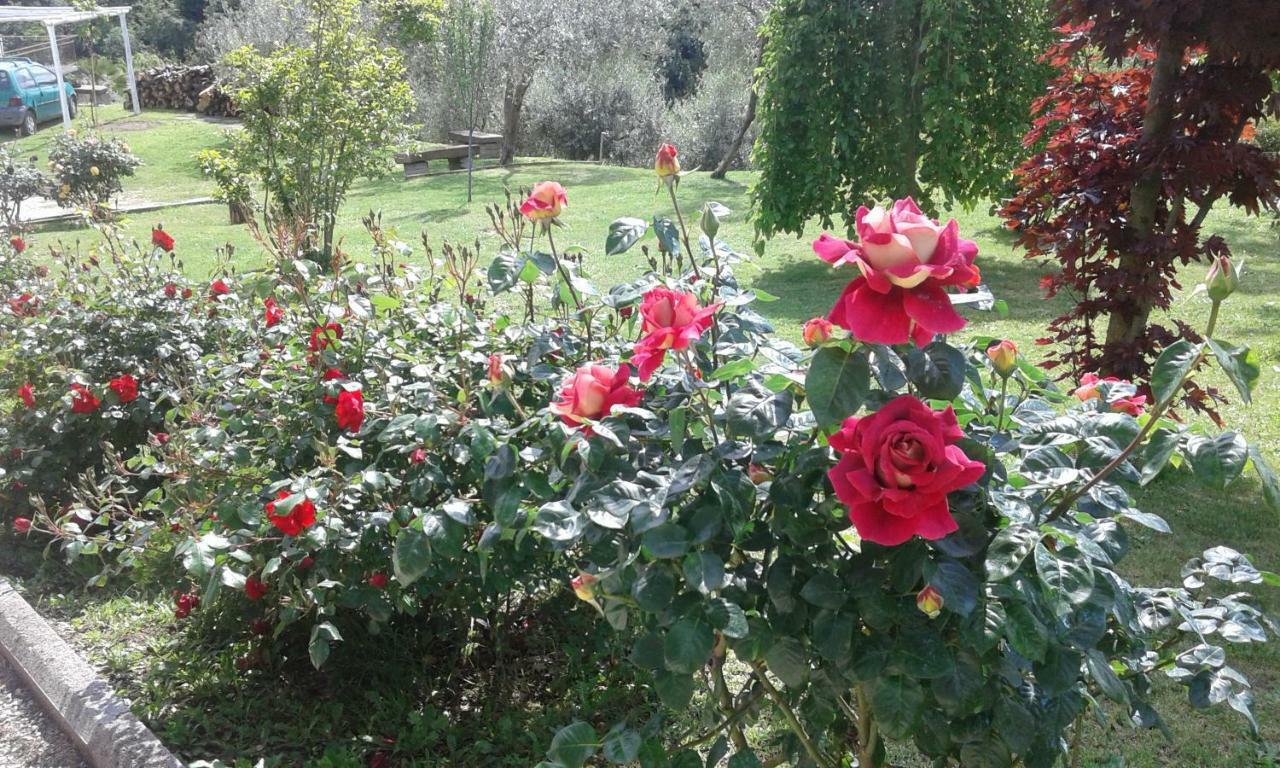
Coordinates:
<point>88,170</point>
<point>882,537</point>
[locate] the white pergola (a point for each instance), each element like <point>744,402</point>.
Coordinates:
<point>51,17</point>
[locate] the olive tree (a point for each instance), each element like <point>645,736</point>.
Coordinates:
<point>317,116</point>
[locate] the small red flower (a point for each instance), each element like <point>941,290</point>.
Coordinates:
<point>255,588</point>
<point>272,311</point>
<point>817,331</point>
<point>184,603</point>
<point>28,395</point>
<point>162,240</point>
<point>19,245</point>
<point>186,293</point>
<point>324,336</point>
<point>170,290</point>
<point>22,524</point>
<point>378,580</point>
<point>83,399</point>
<point>160,438</point>
<point>417,456</point>
<point>125,387</point>
<point>260,627</point>
<point>332,374</point>
<point>306,563</point>
<point>218,288</point>
<point>495,369</point>
<point>25,305</point>
<point>350,409</point>
<point>293,522</point>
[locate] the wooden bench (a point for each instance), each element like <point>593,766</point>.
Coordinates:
<point>417,163</point>
<point>489,144</point>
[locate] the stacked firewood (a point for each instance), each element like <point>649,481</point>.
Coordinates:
<point>193,89</point>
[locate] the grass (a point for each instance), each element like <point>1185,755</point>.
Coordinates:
<point>805,287</point>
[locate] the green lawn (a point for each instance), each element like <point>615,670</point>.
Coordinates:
<point>806,287</point>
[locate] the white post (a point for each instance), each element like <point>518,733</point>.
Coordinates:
<point>57,70</point>
<point>128,64</point>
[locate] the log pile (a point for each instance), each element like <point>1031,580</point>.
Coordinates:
<point>193,89</point>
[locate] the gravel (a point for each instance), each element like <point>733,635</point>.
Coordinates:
<point>29,739</point>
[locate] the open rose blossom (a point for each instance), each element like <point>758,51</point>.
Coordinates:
<point>672,320</point>
<point>170,290</point>
<point>896,468</point>
<point>25,305</point>
<point>350,409</point>
<point>1090,389</point>
<point>83,399</point>
<point>296,519</point>
<point>272,312</point>
<point>667,163</point>
<point>162,240</point>
<point>125,387</point>
<point>545,201</point>
<point>28,395</point>
<point>218,287</point>
<point>906,260</point>
<point>592,392</point>
<point>255,588</point>
<point>18,244</point>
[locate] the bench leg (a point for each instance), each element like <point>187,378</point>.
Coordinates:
<point>455,163</point>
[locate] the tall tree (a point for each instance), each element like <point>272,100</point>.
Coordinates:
<point>1138,148</point>
<point>863,99</point>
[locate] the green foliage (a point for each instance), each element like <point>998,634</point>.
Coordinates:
<point>318,116</point>
<point>88,170</point>
<point>20,180</point>
<point>902,97</point>
<point>410,21</point>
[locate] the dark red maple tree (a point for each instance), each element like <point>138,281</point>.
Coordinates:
<point>1141,134</point>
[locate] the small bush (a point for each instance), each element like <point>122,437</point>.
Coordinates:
<point>89,170</point>
<point>20,180</point>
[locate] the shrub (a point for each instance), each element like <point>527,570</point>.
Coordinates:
<point>90,360</point>
<point>896,538</point>
<point>20,180</point>
<point>88,170</point>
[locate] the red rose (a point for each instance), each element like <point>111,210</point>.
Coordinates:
<point>672,320</point>
<point>667,162</point>
<point>184,603</point>
<point>906,259</point>
<point>186,293</point>
<point>19,245</point>
<point>896,468</point>
<point>160,438</point>
<point>83,399</point>
<point>592,392</point>
<point>170,290</point>
<point>332,374</point>
<point>218,288</point>
<point>350,409</point>
<point>378,580</point>
<point>544,202</point>
<point>125,387</point>
<point>324,336</point>
<point>25,305</point>
<point>22,524</point>
<point>28,395</point>
<point>260,627</point>
<point>417,456</point>
<point>273,312</point>
<point>255,588</point>
<point>162,240</point>
<point>306,563</point>
<point>495,369</point>
<point>296,519</point>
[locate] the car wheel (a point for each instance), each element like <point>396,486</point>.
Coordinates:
<point>72,107</point>
<point>28,126</point>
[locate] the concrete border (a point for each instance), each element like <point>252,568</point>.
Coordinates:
<point>99,723</point>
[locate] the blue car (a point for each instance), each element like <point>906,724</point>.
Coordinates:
<point>29,95</point>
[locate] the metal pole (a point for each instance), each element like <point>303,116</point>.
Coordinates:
<point>128,64</point>
<point>57,70</point>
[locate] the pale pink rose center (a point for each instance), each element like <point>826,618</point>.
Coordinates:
<point>590,396</point>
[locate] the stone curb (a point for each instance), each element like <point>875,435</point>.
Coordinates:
<point>84,706</point>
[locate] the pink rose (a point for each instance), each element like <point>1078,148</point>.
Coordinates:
<point>21,524</point>
<point>896,468</point>
<point>592,392</point>
<point>1090,389</point>
<point>544,202</point>
<point>672,320</point>
<point>817,331</point>
<point>667,162</point>
<point>906,259</point>
<point>495,371</point>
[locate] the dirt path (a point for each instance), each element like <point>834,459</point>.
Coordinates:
<point>27,738</point>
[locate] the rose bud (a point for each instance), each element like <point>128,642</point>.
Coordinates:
<point>759,474</point>
<point>306,563</point>
<point>1004,357</point>
<point>667,162</point>
<point>378,580</point>
<point>584,586</point>
<point>22,524</point>
<point>710,223</point>
<point>627,311</point>
<point>495,371</point>
<point>260,627</point>
<point>417,456</point>
<point>930,602</point>
<point>817,331</point>
<point>1222,279</point>
<point>544,202</point>
<point>255,588</point>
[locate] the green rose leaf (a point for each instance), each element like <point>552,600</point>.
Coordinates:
<point>1172,367</point>
<point>896,701</point>
<point>688,645</point>
<point>624,233</point>
<point>1217,460</point>
<point>1240,364</point>
<point>667,541</point>
<point>937,371</point>
<point>837,384</point>
<point>704,572</point>
<point>621,745</point>
<point>412,556</point>
<point>1009,548</point>
<point>573,745</point>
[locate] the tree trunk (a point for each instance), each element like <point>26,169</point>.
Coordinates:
<point>1128,324</point>
<point>512,105</point>
<point>735,148</point>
